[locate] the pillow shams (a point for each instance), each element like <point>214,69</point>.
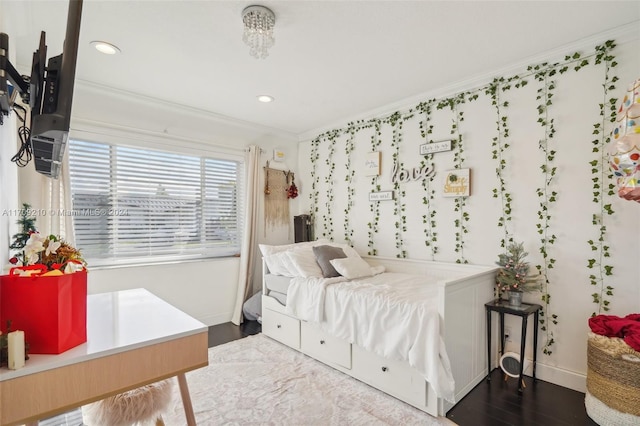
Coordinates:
<point>268,250</point>
<point>324,255</point>
<point>280,264</point>
<point>352,267</point>
<point>348,250</point>
<point>299,260</point>
<point>305,263</point>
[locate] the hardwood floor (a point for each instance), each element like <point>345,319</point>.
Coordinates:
<point>227,332</point>
<point>489,404</point>
<point>498,403</point>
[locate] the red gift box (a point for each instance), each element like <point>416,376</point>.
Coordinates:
<point>51,310</point>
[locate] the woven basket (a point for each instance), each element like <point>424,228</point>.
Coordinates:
<point>613,381</point>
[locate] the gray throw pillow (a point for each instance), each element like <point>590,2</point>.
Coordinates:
<point>324,255</point>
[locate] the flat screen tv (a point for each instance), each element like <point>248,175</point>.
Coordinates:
<point>51,95</point>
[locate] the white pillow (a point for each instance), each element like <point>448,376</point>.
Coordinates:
<point>347,249</point>
<point>280,264</point>
<point>304,261</point>
<point>268,250</point>
<point>352,267</point>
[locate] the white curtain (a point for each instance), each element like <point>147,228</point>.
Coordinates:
<point>247,253</point>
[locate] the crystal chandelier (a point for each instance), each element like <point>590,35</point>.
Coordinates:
<point>258,30</point>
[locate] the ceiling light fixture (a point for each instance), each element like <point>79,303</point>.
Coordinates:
<point>106,48</point>
<point>265,98</point>
<point>258,30</point>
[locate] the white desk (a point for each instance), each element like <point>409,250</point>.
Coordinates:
<point>133,338</point>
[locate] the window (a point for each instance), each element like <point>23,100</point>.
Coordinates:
<point>133,205</point>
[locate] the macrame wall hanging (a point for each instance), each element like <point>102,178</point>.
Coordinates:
<point>276,197</point>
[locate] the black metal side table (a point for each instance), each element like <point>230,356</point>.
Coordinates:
<point>523,311</point>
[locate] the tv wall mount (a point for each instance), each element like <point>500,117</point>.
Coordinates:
<point>48,91</point>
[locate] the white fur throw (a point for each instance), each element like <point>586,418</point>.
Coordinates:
<point>140,405</point>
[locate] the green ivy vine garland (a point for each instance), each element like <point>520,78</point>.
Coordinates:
<point>600,175</point>
<point>546,195</point>
<point>458,160</point>
<point>315,179</point>
<point>328,180</point>
<point>396,121</point>
<point>374,206</point>
<point>348,150</point>
<point>499,145</point>
<point>429,218</point>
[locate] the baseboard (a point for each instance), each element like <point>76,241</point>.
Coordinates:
<point>560,377</point>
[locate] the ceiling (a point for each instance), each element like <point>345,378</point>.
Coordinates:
<point>332,61</point>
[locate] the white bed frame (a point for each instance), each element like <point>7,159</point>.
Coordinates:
<point>463,291</point>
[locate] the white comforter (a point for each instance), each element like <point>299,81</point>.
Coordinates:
<point>393,315</point>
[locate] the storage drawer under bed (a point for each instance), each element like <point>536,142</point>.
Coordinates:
<point>281,327</point>
<point>396,378</point>
<point>323,346</point>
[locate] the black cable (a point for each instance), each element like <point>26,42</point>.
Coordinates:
<point>24,155</point>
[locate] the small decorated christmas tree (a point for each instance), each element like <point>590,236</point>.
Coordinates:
<point>28,226</point>
<point>514,274</point>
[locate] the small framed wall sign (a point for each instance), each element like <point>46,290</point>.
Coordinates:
<point>381,196</point>
<point>372,164</point>
<point>279,155</point>
<point>457,183</point>
<point>433,147</point>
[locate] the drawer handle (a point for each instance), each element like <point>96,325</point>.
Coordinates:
<point>322,342</point>
<point>278,326</point>
<point>384,369</point>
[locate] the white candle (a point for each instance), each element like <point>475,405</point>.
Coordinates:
<point>15,341</point>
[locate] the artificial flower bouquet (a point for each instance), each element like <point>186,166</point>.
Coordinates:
<point>46,256</point>
<point>45,292</point>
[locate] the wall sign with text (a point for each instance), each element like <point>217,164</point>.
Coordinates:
<point>457,183</point>
<point>381,196</point>
<point>432,147</point>
<point>372,164</point>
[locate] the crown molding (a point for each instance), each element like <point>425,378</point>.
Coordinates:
<point>150,101</point>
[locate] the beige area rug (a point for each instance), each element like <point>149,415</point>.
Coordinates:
<point>258,381</point>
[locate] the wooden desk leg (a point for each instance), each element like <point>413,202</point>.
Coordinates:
<point>186,400</point>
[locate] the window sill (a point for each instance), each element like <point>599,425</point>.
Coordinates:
<point>159,262</point>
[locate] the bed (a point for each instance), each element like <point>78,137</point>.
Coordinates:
<point>413,329</point>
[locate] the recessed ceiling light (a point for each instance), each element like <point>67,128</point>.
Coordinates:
<point>106,48</point>
<point>265,98</point>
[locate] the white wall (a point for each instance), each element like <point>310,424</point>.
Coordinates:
<point>575,110</point>
<point>205,289</point>
<point>8,189</point>
<point>8,170</point>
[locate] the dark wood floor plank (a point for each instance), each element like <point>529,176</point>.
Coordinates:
<point>541,403</point>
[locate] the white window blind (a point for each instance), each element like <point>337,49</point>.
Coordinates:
<point>134,205</point>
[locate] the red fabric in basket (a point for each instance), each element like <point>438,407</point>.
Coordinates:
<point>627,328</point>
<point>52,311</point>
